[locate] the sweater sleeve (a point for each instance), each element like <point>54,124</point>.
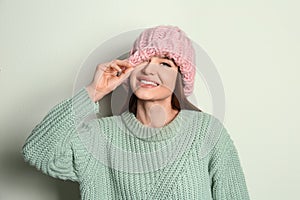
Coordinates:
<point>228,181</point>
<point>49,146</point>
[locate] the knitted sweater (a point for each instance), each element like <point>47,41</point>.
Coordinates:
<point>117,157</point>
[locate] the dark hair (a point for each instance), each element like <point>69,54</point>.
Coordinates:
<point>179,100</point>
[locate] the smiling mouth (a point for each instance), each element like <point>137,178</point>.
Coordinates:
<point>147,83</point>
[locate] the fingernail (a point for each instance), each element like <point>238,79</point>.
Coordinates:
<point>119,73</point>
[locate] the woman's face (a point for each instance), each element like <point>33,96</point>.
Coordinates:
<point>154,79</point>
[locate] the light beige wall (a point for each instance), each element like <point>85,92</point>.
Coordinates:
<point>254,46</point>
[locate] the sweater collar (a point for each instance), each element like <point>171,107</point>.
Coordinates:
<point>146,133</point>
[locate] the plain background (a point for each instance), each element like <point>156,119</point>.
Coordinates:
<point>253,44</point>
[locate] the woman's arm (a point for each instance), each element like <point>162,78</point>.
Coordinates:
<point>228,181</point>
<point>49,146</point>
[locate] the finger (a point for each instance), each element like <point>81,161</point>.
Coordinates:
<point>116,67</point>
<point>118,73</point>
<point>123,63</point>
<point>119,80</point>
<point>129,69</point>
<point>110,68</point>
<point>126,73</point>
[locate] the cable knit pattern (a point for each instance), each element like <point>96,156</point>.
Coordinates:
<point>117,157</point>
<point>170,41</point>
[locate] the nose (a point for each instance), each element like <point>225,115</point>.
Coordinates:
<point>150,67</point>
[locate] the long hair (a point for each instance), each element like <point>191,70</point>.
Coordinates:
<point>179,100</point>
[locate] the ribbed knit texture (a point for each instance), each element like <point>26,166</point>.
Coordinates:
<point>117,157</point>
<point>170,41</point>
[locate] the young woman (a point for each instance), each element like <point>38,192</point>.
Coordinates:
<point>160,147</point>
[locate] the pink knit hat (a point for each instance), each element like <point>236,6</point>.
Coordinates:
<point>167,41</point>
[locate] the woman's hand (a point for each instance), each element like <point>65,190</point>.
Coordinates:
<point>107,77</point>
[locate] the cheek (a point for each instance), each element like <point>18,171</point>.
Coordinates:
<point>135,72</point>
<point>132,78</point>
<point>169,79</point>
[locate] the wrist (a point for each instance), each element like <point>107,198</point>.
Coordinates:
<point>93,93</point>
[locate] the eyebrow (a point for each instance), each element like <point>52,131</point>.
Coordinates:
<point>171,59</point>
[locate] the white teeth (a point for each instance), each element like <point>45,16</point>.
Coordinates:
<point>149,82</point>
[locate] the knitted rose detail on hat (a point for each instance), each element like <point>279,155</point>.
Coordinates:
<point>169,41</point>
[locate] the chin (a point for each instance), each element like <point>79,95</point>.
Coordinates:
<point>152,95</point>
<point>144,95</point>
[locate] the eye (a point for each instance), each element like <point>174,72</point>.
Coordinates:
<point>164,63</point>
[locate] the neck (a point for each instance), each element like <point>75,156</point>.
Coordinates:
<point>155,113</point>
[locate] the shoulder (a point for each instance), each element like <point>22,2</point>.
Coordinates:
<point>201,114</point>
<point>95,125</point>
<point>210,131</point>
<point>206,120</point>
<point>207,125</point>
<point>95,133</point>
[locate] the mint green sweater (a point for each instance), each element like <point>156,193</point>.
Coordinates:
<point>117,157</point>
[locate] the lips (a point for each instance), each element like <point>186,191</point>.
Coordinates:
<point>147,82</point>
